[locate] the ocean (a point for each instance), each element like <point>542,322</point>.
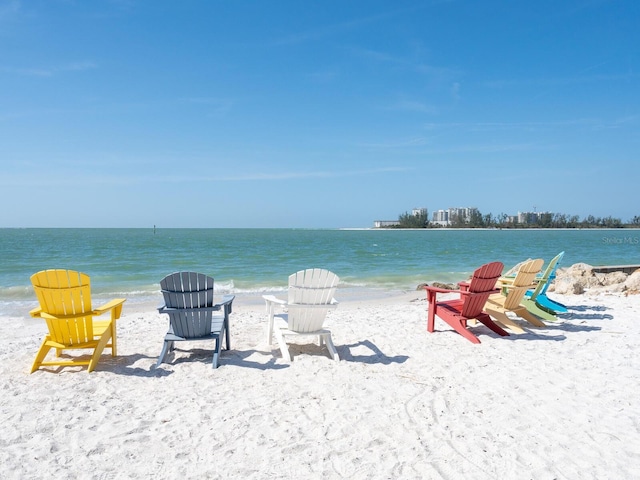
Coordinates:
<point>131,262</point>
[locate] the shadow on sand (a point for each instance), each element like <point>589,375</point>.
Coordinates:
<point>376,356</point>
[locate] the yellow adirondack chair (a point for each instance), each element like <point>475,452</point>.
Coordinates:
<point>65,304</point>
<point>499,304</point>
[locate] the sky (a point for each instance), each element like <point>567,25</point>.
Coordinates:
<point>315,114</point>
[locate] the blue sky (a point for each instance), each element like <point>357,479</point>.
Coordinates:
<point>129,113</point>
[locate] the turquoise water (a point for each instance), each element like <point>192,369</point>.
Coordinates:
<point>131,262</point>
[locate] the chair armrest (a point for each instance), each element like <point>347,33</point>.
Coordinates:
<point>510,286</point>
<point>227,299</point>
<point>506,280</point>
<point>165,309</point>
<point>432,293</point>
<point>115,305</point>
<point>226,304</point>
<point>271,299</point>
<point>48,316</point>
<point>509,280</point>
<point>313,305</point>
<point>440,290</point>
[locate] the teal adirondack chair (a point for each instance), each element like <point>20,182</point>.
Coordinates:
<point>539,294</point>
<point>193,315</point>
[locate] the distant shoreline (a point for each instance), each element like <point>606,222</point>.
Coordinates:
<point>438,229</point>
<point>449,229</point>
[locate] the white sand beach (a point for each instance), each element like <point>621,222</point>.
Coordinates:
<point>559,402</point>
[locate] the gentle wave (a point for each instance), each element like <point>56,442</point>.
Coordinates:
<point>131,262</point>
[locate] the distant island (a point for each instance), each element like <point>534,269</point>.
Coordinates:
<point>471,217</point>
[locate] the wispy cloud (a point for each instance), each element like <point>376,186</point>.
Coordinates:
<point>586,123</point>
<point>486,148</point>
<point>290,175</point>
<point>560,81</point>
<point>406,63</point>
<point>209,107</point>
<point>409,143</point>
<point>414,106</point>
<point>627,119</point>
<point>455,91</point>
<point>124,4</point>
<point>104,179</point>
<point>218,106</point>
<point>586,4</point>
<point>421,146</point>
<point>9,8</point>
<point>495,125</point>
<point>331,29</point>
<point>336,28</point>
<point>49,71</point>
<point>326,76</point>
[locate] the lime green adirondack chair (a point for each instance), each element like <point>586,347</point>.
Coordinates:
<point>535,300</point>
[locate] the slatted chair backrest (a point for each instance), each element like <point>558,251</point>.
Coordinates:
<point>187,296</point>
<point>482,284</point>
<point>522,282</point>
<point>65,294</point>
<point>311,292</point>
<point>547,277</point>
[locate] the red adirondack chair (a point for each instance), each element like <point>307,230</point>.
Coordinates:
<point>473,296</point>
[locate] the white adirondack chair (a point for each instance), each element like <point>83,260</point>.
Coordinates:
<point>309,300</point>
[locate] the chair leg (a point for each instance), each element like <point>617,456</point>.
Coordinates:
<point>216,353</point>
<point>533,307</point>
<point>104,339</point>
<point>114,346</point>
<point>493,326</point>
<point>431,315</point>
<point>459,327</point>
<point>227,331</point>
<point>529,317</point>
<point>42,353</point>
<point>502,319</point>
<point>270,314</point>
<point>548,304</point>
<point>284,349</point>
<point>270,325</point>
<point>165,348</point>
<point>329,342</point>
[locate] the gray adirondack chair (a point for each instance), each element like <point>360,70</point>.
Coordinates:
<point>310,297</point>
<point>193,315</point>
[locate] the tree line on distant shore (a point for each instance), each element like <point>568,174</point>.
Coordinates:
<point>544,220</point>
